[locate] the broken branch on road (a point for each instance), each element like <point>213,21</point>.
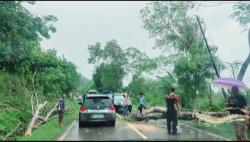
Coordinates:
<point>210,117</point>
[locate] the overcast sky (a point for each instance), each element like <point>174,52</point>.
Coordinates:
<point>82,23</point>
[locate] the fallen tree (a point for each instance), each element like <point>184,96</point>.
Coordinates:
<point>39,123</point>
<point>50,112</point>
<point>216,120</point>
<point>34,121</point>
<point>34,118</point>
<point>210,117</point>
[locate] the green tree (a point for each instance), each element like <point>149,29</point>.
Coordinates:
<point>172,27</point>
<point>111,53</point>
<point>108,76</point>
<point>136,86</point>
<point>27,70</point>
<point>169,24</point>
<point>242,15</point>
<point>138,62</point>
<point>19,32</point>
<point>110,62</point>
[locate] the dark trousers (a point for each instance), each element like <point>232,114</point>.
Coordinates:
<point>125,110</point>
<point>172,122</point>
<point>241,130</point>
<point>61,113</point>
<point>130,108</point>
<point>141,107</point>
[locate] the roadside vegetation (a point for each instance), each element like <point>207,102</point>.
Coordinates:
<point>226,129</point>
<point>30,75</point>
<point>51,131</point>
<point>189,66</point>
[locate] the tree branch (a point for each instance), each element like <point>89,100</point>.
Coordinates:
<point>12,131</point>
<point>39,124</point>
<point>50,112</point>
<point>33,85</point>
<point>33,120</point>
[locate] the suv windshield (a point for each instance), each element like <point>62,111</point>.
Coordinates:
<point>98,103</point>
<point>107,92</point>
<point>92,92</point>
<point>119,97</point>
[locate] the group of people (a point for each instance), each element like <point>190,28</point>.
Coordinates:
<point>236,104</point>
<point>127,104</point>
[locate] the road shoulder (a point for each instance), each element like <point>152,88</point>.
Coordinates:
<point>67,130</point>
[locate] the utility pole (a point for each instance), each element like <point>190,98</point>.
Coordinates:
<point>215,68</point>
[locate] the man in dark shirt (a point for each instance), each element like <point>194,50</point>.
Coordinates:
<point>83,98</point>
<point>237,105</point>
<point>61,110</point>
<point>172,111</point>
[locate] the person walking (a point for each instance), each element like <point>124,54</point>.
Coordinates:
<point>129,104</point>
<point>172,112</point>
<point>83,98</point>
<point>237,105</point>
<point>61,107</point>
<point>141,103</point>
<point>125,104</point>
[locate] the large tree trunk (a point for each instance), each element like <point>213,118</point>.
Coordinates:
<point>159,113</point>
<point>211,117</point>
<point>34,118</point>
<point>246,62</point>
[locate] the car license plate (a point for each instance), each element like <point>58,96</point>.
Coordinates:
<point>97,116</point>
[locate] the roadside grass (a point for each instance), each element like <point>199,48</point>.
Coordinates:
<point>51,131</point>
<point>226,129</point>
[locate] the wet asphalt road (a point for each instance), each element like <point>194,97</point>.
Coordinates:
<point>129,131</point>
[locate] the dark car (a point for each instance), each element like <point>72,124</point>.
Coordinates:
<point>118,101</point>
<point>97,108</point>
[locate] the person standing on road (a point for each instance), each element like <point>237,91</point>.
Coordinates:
<point>125,104</point>
<point>172,112</point>
<point>237,105</point>
<point>141,103</point>
<point>61,107</point>
<point>129,105</point>
<point>83,98</point>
